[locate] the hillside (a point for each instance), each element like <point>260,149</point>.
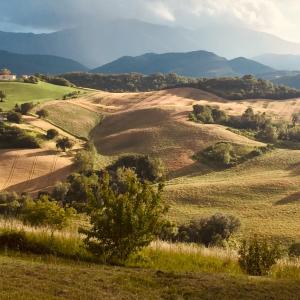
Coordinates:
<point>21,64</point>
<point>97,43</point>
<point>193,64</point>
<point>18,92</point>
<point>290,80</point>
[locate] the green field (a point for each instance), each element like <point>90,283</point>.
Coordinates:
<point>18,93</point>
<point>264,193</point>
<point>72,118</point>
<point>30,278</point>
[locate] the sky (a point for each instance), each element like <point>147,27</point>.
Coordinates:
<point>279,17</point>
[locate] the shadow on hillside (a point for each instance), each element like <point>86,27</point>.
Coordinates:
<point>293,198</point>
<point>45,182</point>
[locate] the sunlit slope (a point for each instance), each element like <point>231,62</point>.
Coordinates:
<point>32,170</point>
<point>18,93</point>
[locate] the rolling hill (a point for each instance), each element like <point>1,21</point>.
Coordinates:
<point>18,92</point>
<point>30,64</point>
<point>96,44</point>
<point>193,64</point>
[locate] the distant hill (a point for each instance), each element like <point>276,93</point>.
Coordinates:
<point>97,44</point>
<point>45,64</point>
<point>234,88</point>
<point>193,64</point>
<point>280,61</point>
<point>290,81</point>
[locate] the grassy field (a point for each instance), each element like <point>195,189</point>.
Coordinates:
<point>263,192</point>
<point>72,118</point>
<point>160,271</point>
<point>29,278</point>
<point>18,93</point>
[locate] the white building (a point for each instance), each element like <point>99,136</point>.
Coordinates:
<point>7,75</point>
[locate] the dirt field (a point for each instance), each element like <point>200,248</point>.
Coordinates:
<point>32,170</point>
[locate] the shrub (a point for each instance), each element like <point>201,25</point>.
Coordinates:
<point>86,160</point>
<point>124,223</point>
<point>42,113</point>
<point>257,257</point>
<point>43,212</point>
<point>26,107</point>
<point>145,167</point>
<point>294,250</point>
<point>51,134</point>
<point>10,203</point>
<point>222,153</point>
<point>31,79</point>
<point>209,231</point>
<point>14,117</point>
<point>64,143</point>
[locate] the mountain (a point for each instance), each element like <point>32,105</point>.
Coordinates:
<point>97,44</point>
<point>193,64</point>
<point>290,81</point>
<point>280,61</point>
<point>30,64</point>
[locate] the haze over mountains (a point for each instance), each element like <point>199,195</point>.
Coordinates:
<point>99,43</point>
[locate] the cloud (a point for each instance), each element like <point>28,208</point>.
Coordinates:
<point>273,16</point>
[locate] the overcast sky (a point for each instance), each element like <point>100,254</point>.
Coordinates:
<point>280,17</point>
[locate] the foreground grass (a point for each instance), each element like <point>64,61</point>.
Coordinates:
<point>31,278</point>
<point>18,93</point>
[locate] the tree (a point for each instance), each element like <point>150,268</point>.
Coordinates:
<point>86,160</point>
<point>14,117</point>
<point>42,113</point>
<point>64,144</point>
<point>51,134</point>
<point>43,212</point>
<point>257,257</point>
<point>209,231</point>
<point>2,96</point>
<point>144,166</point>
<point>122,224</point>
<point>26,107</point>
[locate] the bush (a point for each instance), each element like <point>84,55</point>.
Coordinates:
<point>51,134</point>
<point>294,250</point>
<point>14,137</point>
<point>86,160</point>
<point>43,212</point>
<point>64,144</point>
<point>10,203</point>
<point>26,107</point>
<point>14,117</point>
<point>209,231</point>
<point>257,257</point>
<point>145,167</point>
<point>42,113</point>
<point>124,223</point>
<point>31,79</point>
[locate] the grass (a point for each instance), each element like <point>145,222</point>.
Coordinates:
<point>72,118</point>
<point>18,93</point>
<point>160,271</point>
<point>263,193</point>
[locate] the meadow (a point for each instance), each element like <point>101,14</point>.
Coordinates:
<point>18,93</point>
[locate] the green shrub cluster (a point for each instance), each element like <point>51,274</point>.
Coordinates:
<point>209,231</point>
<point>54,80</point>
<point>256,257</point>
<point>14,137</point>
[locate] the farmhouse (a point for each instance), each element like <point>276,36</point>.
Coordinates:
<point>6,74</point>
